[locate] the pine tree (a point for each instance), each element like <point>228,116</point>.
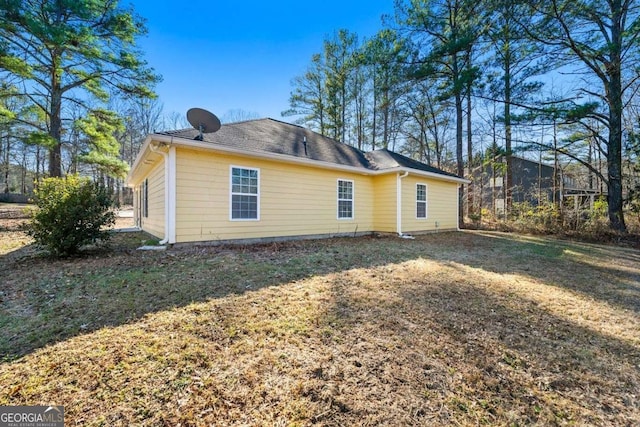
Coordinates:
<point>68,51</point>
<point>444,32</point>
<point>602,38</point>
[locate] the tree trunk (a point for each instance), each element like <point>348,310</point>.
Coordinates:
<point>614,166</point>
<point>55,126</point>
<point>375,111</point>
<point>459,158</point>
<point>555,197</point>
<point>614,152</point>
<point>6,164</point>
<point>385,121</point>
<point>470,186</point>
<point>508,179</point>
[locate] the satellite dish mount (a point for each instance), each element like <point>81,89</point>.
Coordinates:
<point>203,120</point>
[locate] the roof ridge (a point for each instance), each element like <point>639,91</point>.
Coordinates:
<point>286,123</point>
<point>173,131</point>
<point>246,121</point>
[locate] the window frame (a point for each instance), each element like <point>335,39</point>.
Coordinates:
<point>232,193</point>
<point>145,198</point>
<point>425,201</point>
<point>352,200</point>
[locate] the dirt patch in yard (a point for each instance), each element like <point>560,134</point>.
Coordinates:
<point>464,329</point>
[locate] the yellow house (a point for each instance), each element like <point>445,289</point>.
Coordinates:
<point>262,180</point>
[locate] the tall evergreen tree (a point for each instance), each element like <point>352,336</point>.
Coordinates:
<point>601,38</point>
<point>444,31</point>
<point>517,60</point>
<point>100,128</point>
<point>68,51</point>
<point>340,61</point>
<point>385,54</point>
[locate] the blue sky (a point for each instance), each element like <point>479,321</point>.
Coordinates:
<point>242,54</point>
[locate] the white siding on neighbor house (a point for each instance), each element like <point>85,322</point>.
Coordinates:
<point>294,200</point>
<point>154,222</point>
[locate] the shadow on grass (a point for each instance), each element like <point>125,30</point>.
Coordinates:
<point>470,354</point>
<point>606,273</point>
<point>45,301</point>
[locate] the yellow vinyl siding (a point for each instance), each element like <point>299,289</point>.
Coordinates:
<point>384,206</point>
<point>154,223</point>
<point>441,205</point>
<point>294,200</point>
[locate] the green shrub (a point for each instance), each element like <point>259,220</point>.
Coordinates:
<point>543,218</point>
<point>71,212</point>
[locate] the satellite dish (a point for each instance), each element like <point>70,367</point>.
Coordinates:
<point>203,120</point>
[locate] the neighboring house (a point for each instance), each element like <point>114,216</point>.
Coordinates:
<point>265,179</point>
<point>533,182</point>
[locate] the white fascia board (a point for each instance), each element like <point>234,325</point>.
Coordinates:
<point>426,174</point>
<point>141,154</point>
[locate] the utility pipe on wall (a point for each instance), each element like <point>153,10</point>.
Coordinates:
<point>399,201</point>
<point>169,192</point>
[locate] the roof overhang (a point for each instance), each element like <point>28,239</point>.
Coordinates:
<point>149,156</point>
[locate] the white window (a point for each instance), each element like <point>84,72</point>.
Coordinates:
<point>245,193</point>
<point>145,198</point>
<point>345,199</point>
<point>421,201</point>
<point>497,182</point>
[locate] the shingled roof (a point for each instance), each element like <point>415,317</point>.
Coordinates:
<point>273,136</point>
<point>385,159</point>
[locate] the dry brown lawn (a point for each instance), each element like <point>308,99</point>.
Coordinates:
<point>462,329</point>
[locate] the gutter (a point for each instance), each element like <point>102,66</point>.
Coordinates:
<point>399,202</point>
<point>169,190</point>
<point>458,207</point>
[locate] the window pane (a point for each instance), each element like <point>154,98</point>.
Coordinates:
<point>244,181</point>
<point>345,199</point>
<point>345,190</point>
<point>345,209</point>
<point>244,207</point>
<point>421,192</point>
<point>421,210</point>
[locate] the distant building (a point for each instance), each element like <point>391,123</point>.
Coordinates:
<point>533,182</point>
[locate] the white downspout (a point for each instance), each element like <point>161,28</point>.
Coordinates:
<point>169,192</point>
<point>458,207</point>
<point>399,202</point>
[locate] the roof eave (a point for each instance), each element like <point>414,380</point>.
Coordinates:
<point>434,175</point>
<point>138,163</point>
<point>208,146</point>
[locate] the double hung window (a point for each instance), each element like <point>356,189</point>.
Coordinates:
<point>345,199</point>
<point>245,193</point>
<point>421,201</point>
